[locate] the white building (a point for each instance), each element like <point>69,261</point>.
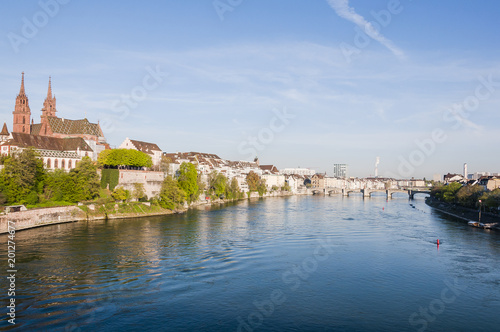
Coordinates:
<point>298,171</point>
<point>149,148</point>
<point>274,180</point>
<point>340,170</point>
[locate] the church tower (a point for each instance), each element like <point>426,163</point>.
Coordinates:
<point>49,105</point>
<point>22,113</point>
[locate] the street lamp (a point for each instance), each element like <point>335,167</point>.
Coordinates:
<point>479,210</point>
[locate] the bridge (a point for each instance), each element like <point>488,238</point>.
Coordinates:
<point>368,192</point>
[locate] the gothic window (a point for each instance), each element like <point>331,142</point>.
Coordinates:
<point>24,129</point>
<point>24,120</point>
<point>56,163</point>
<point>69,164</point>
<point>48,163</point>
<point>63,164</point>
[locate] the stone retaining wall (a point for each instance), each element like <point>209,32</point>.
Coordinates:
<point>41,217</point>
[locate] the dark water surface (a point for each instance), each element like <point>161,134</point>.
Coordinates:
<point>279,264</point>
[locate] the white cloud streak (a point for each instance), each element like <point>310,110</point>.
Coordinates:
<point>343,10</point>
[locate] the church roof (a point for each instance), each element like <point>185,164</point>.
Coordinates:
<point>5,131</point>
<point>74,127</point>
<point>48,143</point>
<point>145,146</point>
<point>35,128</point>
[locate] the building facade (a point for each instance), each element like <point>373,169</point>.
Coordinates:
<point>340,170</point>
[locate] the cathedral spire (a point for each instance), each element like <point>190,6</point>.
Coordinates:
<point>49,92</point>
<point>21,91</point>
<point>49,105</point>
<point>22,112</point>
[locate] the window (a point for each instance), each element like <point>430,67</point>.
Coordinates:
<point>48,163</point>
<point>63,164</point>
<point>56,163</point>
<point>69,164</point>
<point>24,119</point>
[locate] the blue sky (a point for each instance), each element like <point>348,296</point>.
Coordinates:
<point>302,83</point>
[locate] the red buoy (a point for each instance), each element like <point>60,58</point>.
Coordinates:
<point>438,242</point>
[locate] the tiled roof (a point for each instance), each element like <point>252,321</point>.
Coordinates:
<point>35,128</point>
<point>271,168</point>
<point>145,146</point>
<point>48,143</point>
<point>74,127</point>
<point>4,131</point>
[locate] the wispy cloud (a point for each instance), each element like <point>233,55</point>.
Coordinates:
<point>343,10</point>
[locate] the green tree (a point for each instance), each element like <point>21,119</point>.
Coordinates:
<point>446,193</point>
<point>468,196</point>
<point>58,186</point>
<point>23,173</point>
<point>261,187</point>
<point>217,183</point>
<point>171,196</point>
<point>491,199</point>
<point>188,181</point>
<point>233,190</point>
<point>124,157</point>
<point>84,181</point>
<point>252,181</point>
<point>120,194</point>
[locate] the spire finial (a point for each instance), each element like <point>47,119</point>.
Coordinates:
<point>49,92</point>
<point>21,91</point>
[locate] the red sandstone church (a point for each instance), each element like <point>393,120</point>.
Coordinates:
<point>60,142</point>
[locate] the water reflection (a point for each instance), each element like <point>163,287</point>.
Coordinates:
<point>205,270</point>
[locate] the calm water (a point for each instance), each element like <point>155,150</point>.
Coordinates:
<point>279,264</point>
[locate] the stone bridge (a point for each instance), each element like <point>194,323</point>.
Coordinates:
<point>368,192</point>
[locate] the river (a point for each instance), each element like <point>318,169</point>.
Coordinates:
<point>309,263</point>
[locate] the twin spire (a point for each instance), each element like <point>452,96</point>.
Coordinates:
<point>22,92</point>
<point>49,105</point>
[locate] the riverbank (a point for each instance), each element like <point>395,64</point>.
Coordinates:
<point>460,212</point>
<point>57,215</point>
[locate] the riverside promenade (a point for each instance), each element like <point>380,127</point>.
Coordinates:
<point>464,213</point>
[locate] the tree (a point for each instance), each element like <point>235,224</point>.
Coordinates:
<point>469,195</point>
<point>171,195</point>
<point>217,183</point>
<point>138,192</point>
<point>491,199</point>
<point>233,190</point>
<point>124,157</point>
<point>261,187</point>
<point>86,180</point>
<point>120,194</point>
<point>58,186</point>
<point>23,173</point>
<point>446,193</point>
<point>252,181</point>
<point>188,181</point>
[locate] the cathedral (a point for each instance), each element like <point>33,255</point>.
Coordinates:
<point>60,142</point>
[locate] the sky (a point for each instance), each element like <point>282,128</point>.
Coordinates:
<point>298,83</point>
